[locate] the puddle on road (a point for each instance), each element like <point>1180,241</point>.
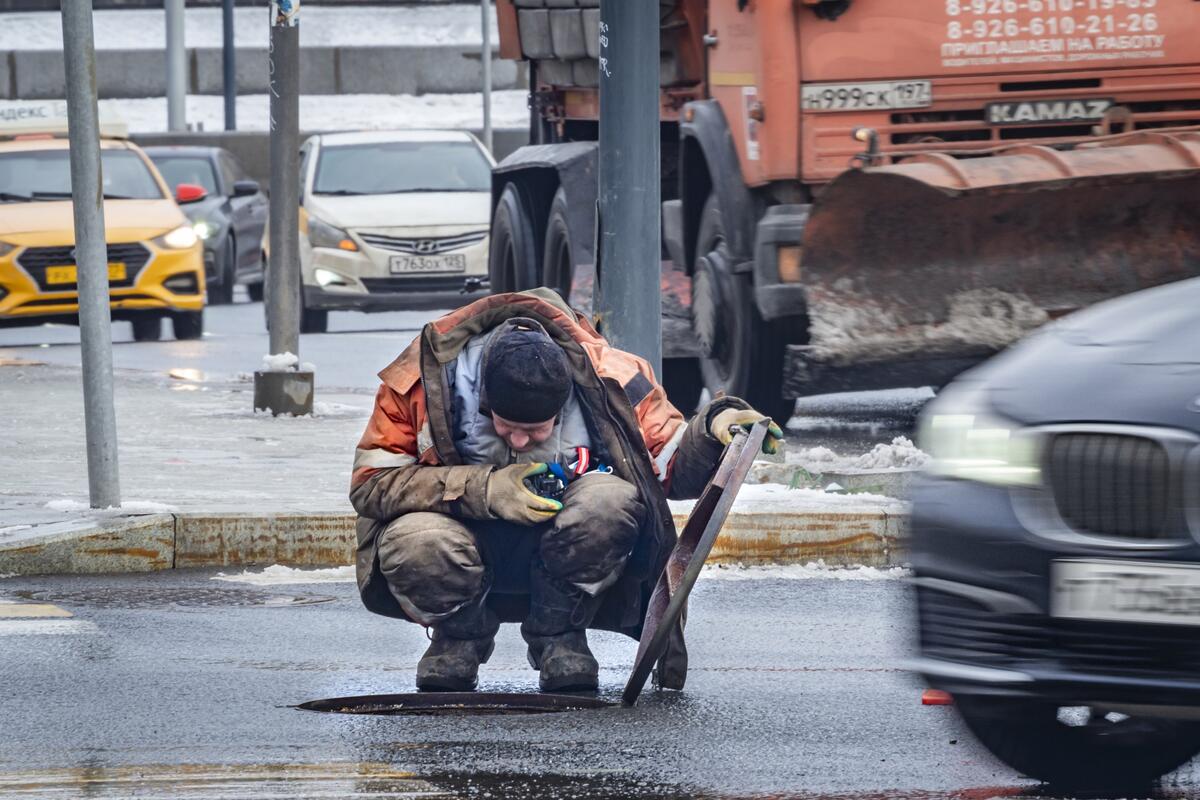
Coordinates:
<point>377,781</point>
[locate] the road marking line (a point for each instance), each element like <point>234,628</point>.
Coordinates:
<point>24,610</point>
<point>45,627</point>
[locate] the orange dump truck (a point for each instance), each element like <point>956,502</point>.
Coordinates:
<point>869,193</point>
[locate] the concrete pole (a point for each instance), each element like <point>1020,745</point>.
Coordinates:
<point>229,65</point>
<point>629,266</point>
<point>485,7</point>
<point>177,73</point>
<point>91,255</point>
<point>288,392</point>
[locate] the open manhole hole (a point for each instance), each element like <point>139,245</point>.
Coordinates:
<point>455,703</point>
<point>173,597</point>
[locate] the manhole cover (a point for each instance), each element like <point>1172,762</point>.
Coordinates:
<point>457,703</point>
<point>168,597</point>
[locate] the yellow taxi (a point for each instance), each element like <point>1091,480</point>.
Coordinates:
<point>155,259</point>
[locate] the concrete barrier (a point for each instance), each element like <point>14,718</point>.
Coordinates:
<point>38,74</point>
<point>198,540</point>
<point>252,148</point>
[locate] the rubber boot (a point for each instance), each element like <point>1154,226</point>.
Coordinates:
<point>460,643</point>
<point>557,637</point>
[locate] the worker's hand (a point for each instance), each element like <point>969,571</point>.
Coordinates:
<point>746,418</point>
<point>509,499</point>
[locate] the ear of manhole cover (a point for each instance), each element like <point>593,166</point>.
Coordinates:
<point>455,703</point>
<point>172,597</point>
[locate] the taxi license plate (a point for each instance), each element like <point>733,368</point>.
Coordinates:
<point>1126,591</point>
<point>409,264</point>
<point>70,274</point>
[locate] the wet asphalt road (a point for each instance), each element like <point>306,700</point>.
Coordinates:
<point>359,345</point>
<point>172,686</point>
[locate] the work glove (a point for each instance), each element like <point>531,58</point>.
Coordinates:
<point>746,418</point>
<point>509,499</point>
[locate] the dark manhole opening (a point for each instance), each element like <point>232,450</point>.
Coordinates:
<point>176,597</point>
<point>455,703</point>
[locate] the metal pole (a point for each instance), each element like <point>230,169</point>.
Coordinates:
<point>91,255</point>
<point>485,7</point>
<point>176,67</point>
<point>229,65</point>
<point>630,262</point>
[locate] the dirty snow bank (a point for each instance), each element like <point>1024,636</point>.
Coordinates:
<point>817,570</point>
<point>128,507</point>
<point>773,498</point>
<point>329,112</point>
<point>279,575</point>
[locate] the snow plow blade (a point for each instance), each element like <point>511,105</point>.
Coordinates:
<point>945,261</point>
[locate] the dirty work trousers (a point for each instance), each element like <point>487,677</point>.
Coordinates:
<point>441,569</point>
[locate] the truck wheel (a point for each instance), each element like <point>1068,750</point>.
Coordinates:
<point>147,328</point>
<point>222,293</point>
<point>745,354</point>
<point>512,262</point>
<point>558,265</point>
<point>187,324</point>
<point>1081,749</point>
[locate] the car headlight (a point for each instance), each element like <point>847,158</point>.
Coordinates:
<point>6,248</point>
<point>327,277</point>
<point>322,234</point>
<point>966,440</point>
<point>181,238</point>
<point>205,230</point>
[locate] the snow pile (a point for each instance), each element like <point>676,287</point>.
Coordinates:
<point>330,112</point>
<point>817,459</point>
<point>279,575</point>
<point>900,454</point>
<point>285,362</point>
<point>129,507</point>
<point>798,572</point>
<point>774,498</point>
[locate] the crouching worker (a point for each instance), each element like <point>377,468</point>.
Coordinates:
<point>458,478</point>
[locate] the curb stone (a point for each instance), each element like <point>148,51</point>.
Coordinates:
<point>198,540</point>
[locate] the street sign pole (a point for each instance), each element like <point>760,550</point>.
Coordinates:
<point>485,7</point>
<point>91,255</point>
<point>229,65</point>
<point>288,391</point>
<point>629,266</point>
<point>176,67</point>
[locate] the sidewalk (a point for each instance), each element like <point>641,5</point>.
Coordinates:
<point>208,482</point>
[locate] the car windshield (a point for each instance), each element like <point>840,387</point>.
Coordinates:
<point>390,167</point>
<point>196,170</point>
<point>29,175</point>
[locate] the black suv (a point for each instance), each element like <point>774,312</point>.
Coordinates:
<point>1056,544</point>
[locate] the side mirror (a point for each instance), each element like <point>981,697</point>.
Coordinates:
<point>245,188</point>
<point>189,193</point>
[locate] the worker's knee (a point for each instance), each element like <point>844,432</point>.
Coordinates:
<point>431,564</point>
<point>594,533</point>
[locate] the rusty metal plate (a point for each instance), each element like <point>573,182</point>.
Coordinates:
<point>455,703</point>
<point>669,601</point>
<point>172,597</point>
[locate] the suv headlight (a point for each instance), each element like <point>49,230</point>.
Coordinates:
<point>181,238</point>
<point>6,248</point>
<point>966,440</point>
<point>322,234</point>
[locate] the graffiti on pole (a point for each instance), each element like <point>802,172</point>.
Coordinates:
<point>285,13</point>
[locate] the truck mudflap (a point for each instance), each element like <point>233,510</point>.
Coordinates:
<point>948,260</point>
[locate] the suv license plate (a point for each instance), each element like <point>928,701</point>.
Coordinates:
<point>409,264</point>
<point>1125,591</point>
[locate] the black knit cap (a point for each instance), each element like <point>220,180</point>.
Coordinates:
<point>526,376</point>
